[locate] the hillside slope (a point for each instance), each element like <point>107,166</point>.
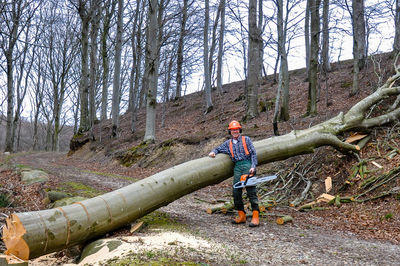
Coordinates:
<point>358,230</point>
<point>188,134</point>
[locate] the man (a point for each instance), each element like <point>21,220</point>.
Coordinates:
<point>243,154</point>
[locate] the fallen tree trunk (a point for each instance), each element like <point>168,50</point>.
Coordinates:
<point>32,234</point>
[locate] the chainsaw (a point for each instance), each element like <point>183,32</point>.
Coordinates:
<point>248,181</point>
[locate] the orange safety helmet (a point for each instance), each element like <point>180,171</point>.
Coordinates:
<point>234,125</point>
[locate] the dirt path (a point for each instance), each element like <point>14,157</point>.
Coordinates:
<point>268,244</point>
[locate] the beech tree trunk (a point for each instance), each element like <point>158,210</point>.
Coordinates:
<point>314,52</point>
<point>117,72</point>
<point>207,74</point>
<point>179,60</point>
<point>31,234</point>
<point>396,42</point>
<point>253,75</point>
<point>221,46</point>
<point>152,64</point>
<point>83,85</point>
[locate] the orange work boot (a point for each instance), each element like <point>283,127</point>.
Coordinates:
<point>255,221</point>
<point>241,218</point>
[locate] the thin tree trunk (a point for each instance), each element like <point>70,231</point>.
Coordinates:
<point>283,78</point>
<point>95,21</point>
<point>207,74</point>
<point>117,71</point>
<point>307,34</point>
<point>109,9</point>
<point>138,56</point>
<point>83,87</point>
<point>325,37</point>
<point>314,51</point>
<point>181,42</point>
<point>132,92</point>
<point>261,42</point>
<point>152,55</point>
<point>396,42</point>
<point>213,43</point>
<point>38,103</point>
<point>254,63</point>
<point>221,47</point>
<point>359,34</point>
<point>9,144</point>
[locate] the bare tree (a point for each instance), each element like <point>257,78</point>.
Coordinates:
<point>396,42</point>
<point>117,71</point>
<point>137,49</point>
<point>152,63</point>
<point>326,66</point>
<point>314,51</point>
<point>181,42</point>
<point>253,75</point>
<point>15,16</point>
<point>307,34</point>
<point>359,42</point>
<point>95,11</point>
<point>60,54</point>
<point>282,97</point>
<point>37,98</point>
<point>109,8</point>
<point>207,74</point>
<point>21,84</point>
<point>84,14</point>
<point>221,45</point>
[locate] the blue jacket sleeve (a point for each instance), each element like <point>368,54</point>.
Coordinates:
<point>223,148</point>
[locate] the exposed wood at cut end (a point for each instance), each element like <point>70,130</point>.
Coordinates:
<point>13,238</point>
<point>284,219</point>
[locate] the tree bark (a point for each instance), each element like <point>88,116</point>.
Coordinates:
<point>117,71</point>
<point>94,31</point>
<point>359,42</point>
<point>253,75</point>
<point>359,34</point>
<point>283,79</point>
<point>109,11</point>
<point>179,60</point>
<point>9,53</point>
<point>132,92</point>
<point>83,86</point>
<point>221,46</point>
<point>32,234</point>
<point>138,56</point>
<point>152,56</point>
<point>207,74</point>
<point>325,37</point>
<point>314,51</point>
<point>307,34</point>
<point>396,42</point>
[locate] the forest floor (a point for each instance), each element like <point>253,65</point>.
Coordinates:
<point>365,233</point>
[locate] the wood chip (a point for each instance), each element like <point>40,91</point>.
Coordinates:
<point>136,227</point>
<point>328,184</point>
<point>377,164</point>
<point>355,137</point>
<point>324,197</point>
